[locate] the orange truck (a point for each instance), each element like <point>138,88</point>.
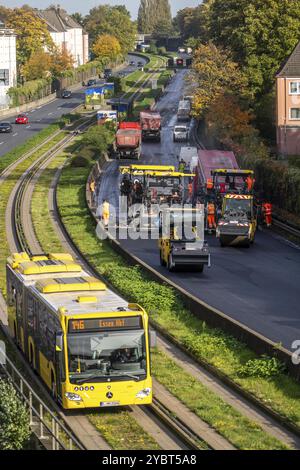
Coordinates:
<point>150,122</point>
<point>128,140</point>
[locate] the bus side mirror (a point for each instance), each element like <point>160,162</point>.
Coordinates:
<point>59,342</point>
<point>153,339</point>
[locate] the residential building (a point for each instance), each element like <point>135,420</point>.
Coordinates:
<point>288,105</point>
<point>8,63</point>
<point>66,33</point>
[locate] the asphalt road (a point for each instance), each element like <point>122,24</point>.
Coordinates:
<point>43,116</point>
<point>259,286</point>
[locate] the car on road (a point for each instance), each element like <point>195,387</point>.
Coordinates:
<point>5,127</point>
<point>22,119</point>
<point>181,133</point>
<point>132,63</point>
<point>66,94</point>
<point>122,74</point>
<point>91,82</point>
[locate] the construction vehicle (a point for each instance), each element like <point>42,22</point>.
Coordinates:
<point>162,184</point>
<point>238,221</point>
<point>151,125</point>
<point>220,181</point>
<point>128,140</point>
<point>181,239</point>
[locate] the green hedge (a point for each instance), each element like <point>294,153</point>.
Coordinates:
<point>31,91</point>
<point>280,184</point>
<point>14,419</point>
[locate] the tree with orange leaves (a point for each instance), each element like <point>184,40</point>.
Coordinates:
<point>107,47</point>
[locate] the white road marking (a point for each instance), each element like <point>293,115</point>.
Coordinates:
<point>27,127</point>
<point>49,114</point>
<point>14,135</point>
<point>38,120</point>
<point>1,143</point>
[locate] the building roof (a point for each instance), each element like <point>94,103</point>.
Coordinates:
<point>57,19</point>
<point>291,66</point>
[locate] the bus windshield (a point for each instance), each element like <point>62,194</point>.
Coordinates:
<point>117,355</point>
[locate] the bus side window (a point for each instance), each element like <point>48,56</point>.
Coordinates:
<point>43,329</point>
<point>30,312</point>
<point>50,335</point>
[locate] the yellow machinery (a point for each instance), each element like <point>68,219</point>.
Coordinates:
<point>90,347</point>
<point>161,184</point>
<point>238,223</point>
<point>181,241</point>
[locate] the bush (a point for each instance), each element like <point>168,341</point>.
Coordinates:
<point>14,419</point>
<point>162,50</point>
<point>264,367</point>
<point>79,162</point>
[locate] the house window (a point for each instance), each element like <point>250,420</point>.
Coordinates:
<point>295,113</point>
<point>294,88</point>
<point>4,77</point>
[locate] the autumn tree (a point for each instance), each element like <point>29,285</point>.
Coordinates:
<point>114,21</point>
<point>38,66</point>
<point>32,33</point>
<point>213,73</point>
<point>62,60</point>
<point>4,12</point>
<point>260,33</point>
<point>107,46</point>
<point>152,12</point>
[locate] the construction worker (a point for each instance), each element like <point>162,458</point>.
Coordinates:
<point>209,184</point>
<point>181,166</point>
<point>267,212</point>
<point>105,212</point>
<point>190,191</point>
<point>249,181</point>
<point>211,215</point>
<point>92,190</point>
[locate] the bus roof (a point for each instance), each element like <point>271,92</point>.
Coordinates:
<point>81,302</point>
<point>236,172</point>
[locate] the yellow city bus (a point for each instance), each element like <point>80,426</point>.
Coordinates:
<point>90,347</point>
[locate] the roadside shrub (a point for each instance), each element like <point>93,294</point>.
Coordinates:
<point>14,419</point>
<point>79,162</point>
<point>264,367</point>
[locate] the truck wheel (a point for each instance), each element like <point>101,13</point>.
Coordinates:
<point>162,261</point>
<point>200,269</point>
<point>171,265</point>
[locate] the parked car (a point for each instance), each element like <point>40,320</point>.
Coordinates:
<point>92,82</point>
<point>5,127</point>
<point>140,63</point>
<point>181,133</point>
<point>66,94</point>
<point>22,119</point>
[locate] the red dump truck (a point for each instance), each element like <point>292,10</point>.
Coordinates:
<point>128,140</point>
<point>151,125</point>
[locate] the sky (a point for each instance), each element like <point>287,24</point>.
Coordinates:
<point>83,6</point>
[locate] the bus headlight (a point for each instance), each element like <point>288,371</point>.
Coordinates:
<point>144,393</point>
<point>73,396</point>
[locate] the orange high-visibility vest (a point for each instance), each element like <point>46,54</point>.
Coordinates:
<point>209,184</point>
<point>211,209</point>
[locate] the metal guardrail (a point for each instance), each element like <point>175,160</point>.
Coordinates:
<point>44,423</point>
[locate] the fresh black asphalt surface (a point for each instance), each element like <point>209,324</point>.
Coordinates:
<point>259,286</point>
<point>43,116</point>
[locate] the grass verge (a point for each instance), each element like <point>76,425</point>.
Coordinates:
<point>121,431</point>
<point>237,429</point>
